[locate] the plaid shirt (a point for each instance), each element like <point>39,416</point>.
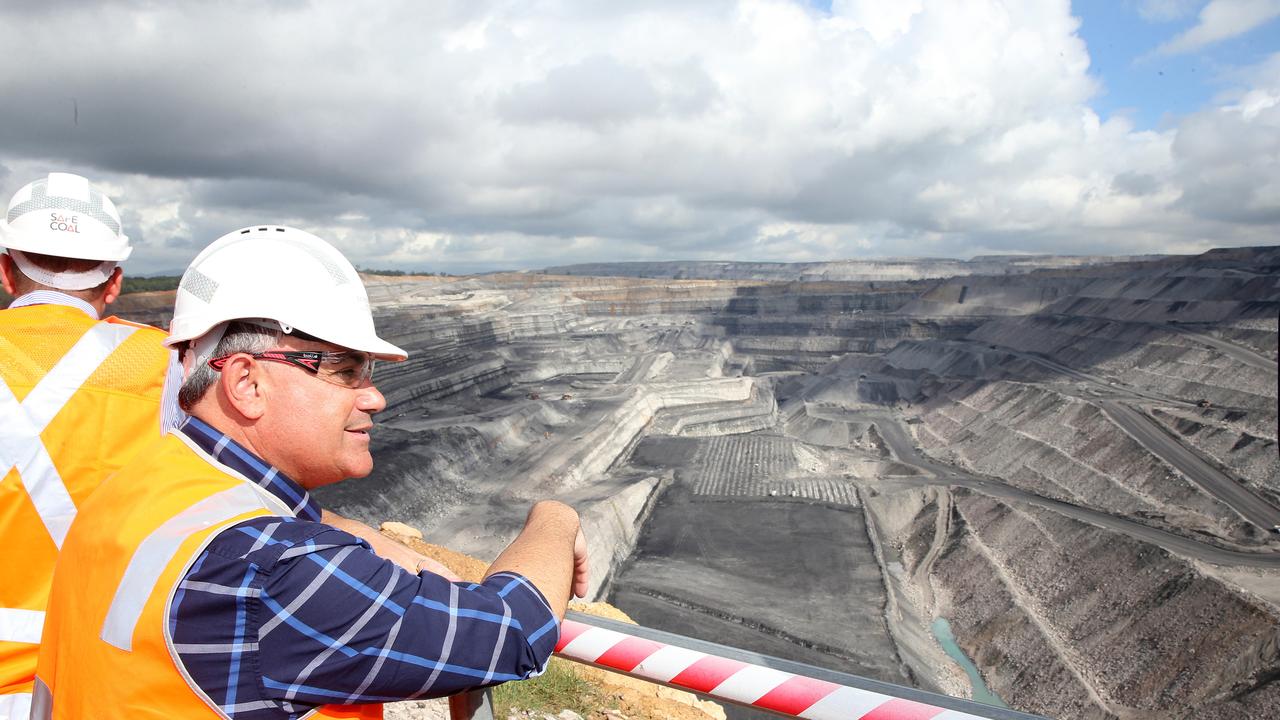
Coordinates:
<point>280,614</point>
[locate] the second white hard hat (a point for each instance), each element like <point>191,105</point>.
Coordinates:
<point>64,216</point>
<point>280,274</point>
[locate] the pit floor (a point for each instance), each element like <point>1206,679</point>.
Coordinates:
<point>788,578</point>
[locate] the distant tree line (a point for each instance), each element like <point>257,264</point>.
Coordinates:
<point>170,282</point>
<point>149,284</point>
<point>399,273</point>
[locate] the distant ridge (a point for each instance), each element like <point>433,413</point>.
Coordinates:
<point>879,269</point>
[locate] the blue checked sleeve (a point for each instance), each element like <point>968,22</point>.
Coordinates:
<point>317,618</point>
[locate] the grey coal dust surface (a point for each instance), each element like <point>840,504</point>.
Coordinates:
<point>796,580</point>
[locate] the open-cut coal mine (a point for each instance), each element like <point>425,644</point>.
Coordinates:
<point>1051,482</point>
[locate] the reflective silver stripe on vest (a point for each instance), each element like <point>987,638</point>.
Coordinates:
<point>19,706</point>
<point>156,551</point>
<point>22,423</point>
<point>41,702</point>
<point>21,626</point>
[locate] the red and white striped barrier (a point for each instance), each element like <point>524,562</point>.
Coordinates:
<point>736,681</point>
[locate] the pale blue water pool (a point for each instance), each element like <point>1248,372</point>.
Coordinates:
<point>981,693</point>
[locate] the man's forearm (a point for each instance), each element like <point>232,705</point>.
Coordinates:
<point>549,553</point>
<point>387,548</point>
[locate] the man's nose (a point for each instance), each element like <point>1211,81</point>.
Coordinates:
<point>370,399</point>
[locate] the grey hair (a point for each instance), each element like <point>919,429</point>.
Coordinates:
<point>239,337</point>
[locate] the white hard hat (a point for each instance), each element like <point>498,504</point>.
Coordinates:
<point>279,274</point>
<point>64,216</point>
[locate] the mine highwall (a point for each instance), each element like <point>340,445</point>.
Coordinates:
<point>1070,620</point>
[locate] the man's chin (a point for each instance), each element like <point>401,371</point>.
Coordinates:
<point>359,470</point>
<point>351,472</point>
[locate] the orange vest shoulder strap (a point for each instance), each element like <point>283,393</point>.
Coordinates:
<point>115,320</point>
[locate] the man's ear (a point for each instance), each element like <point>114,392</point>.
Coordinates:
<point>114,286</point>
<point>244,385</point>
<point>7,270</point>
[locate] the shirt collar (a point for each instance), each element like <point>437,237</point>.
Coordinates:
<point>53,297</point>
<point>234,456</point>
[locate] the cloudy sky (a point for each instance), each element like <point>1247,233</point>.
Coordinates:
<point>470,136</point>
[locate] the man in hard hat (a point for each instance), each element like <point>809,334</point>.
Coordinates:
<point>200,582</point>
<point>79,395</point>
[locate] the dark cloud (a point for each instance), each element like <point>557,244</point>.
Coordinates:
<point>598,90</point>
<point>1135,184</point>
<point>184,243</point>
<point>476,134</point>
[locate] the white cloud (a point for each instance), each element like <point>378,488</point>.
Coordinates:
<point>1166,10</point>
<point>1221,20</point>
<point>1227,161</point>
<point>457,135</point>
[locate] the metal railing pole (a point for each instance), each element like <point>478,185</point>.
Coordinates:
<point>753,680</point>
<point>471,705</point>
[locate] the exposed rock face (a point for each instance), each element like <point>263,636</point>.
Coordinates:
<point>1078,616</point>
<point>1140,355</point>
<point>1061,447</point>
<point>1254,458</point>
<point>1075,463</point>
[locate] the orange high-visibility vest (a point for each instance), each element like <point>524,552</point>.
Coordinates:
<point>107,650</point>
<point>78,398</point>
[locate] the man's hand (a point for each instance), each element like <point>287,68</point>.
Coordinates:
<point>581,576</point>
<point>551,552</point>
<point>388,549</point>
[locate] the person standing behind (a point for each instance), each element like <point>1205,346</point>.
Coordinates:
<point>79,395</point>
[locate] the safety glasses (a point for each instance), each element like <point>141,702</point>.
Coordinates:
<point>348,368</point>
